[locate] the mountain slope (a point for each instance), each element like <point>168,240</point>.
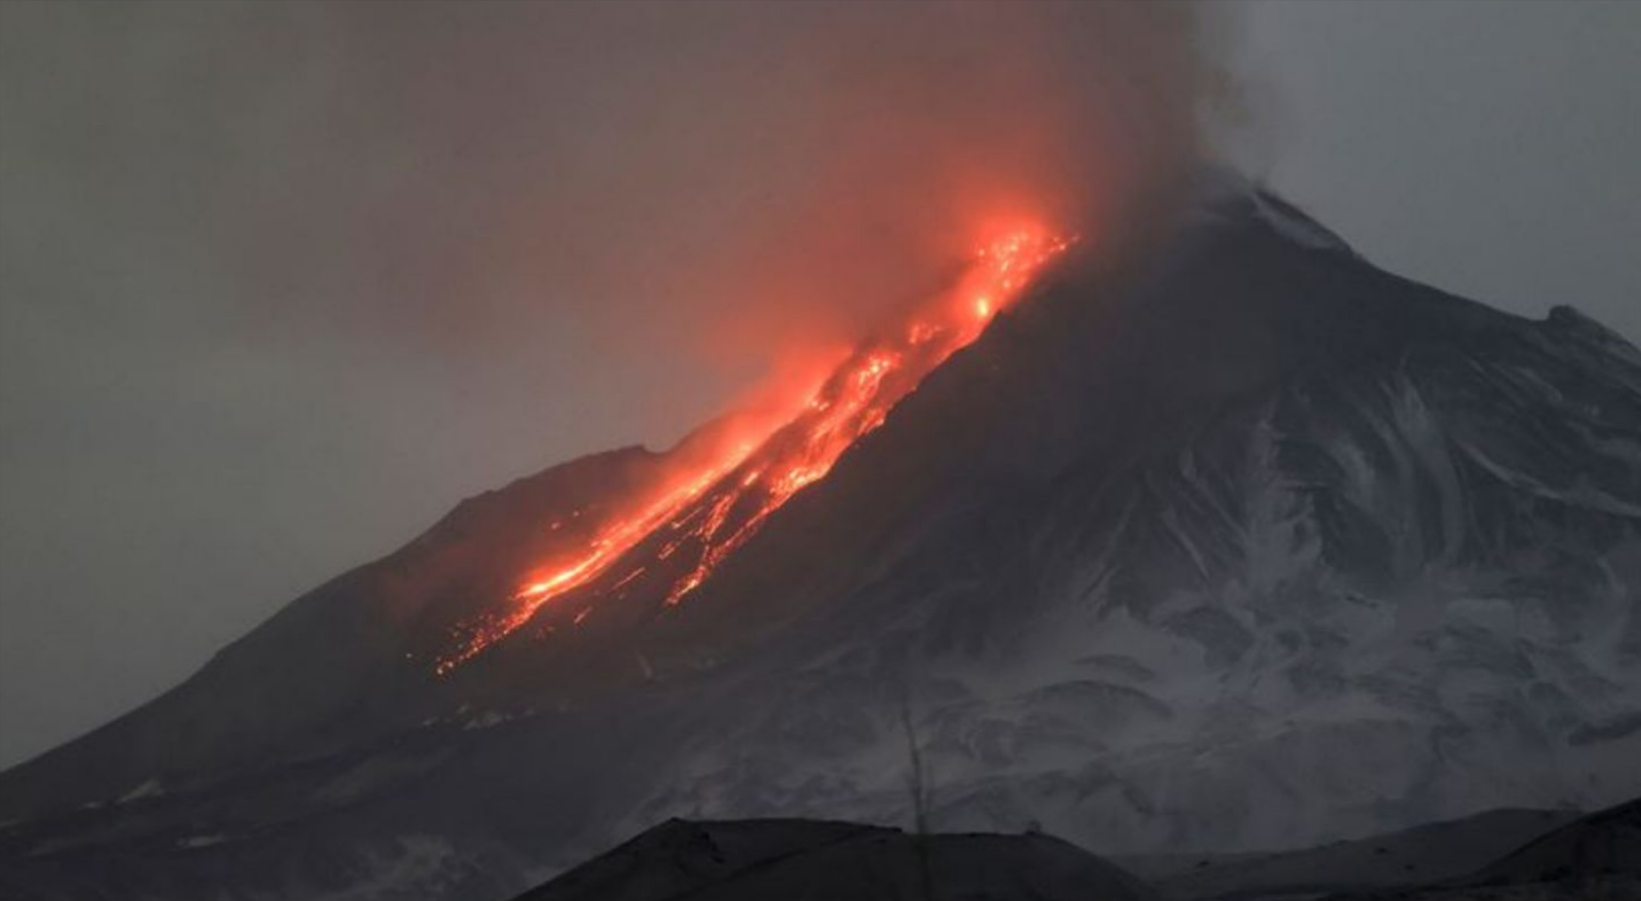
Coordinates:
<point>1431,852</point>
<point>1252,545</point>
<point>797,859</point>
<point>1595,857</point>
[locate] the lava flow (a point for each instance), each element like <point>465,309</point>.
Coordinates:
<point>707,513</point>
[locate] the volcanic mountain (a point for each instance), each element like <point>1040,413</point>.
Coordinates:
<point>1247,545</point>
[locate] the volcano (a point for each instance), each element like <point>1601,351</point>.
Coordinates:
<point>1243,544</point>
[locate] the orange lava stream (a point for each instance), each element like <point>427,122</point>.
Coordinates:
<point>713,510</point>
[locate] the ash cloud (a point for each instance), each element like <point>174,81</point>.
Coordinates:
<point>719,181</point>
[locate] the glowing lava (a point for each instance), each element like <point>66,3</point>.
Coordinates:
<point>706,514</point>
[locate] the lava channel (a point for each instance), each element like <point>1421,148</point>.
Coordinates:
<point>712,509</point>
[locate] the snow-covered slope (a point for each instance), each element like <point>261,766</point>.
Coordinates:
<point>1251,546</point>
<point>1396,582</point>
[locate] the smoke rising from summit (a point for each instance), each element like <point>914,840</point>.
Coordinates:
<point>736,178</point>
<point>724,186</point>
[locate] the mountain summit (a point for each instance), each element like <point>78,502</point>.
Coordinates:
<point>1252,545</point>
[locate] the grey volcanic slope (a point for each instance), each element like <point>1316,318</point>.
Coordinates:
<point>755,860</point>
<point>1594,858</point>
<point>1423,854</point>
<point>1251,546</point>
<point>1607,842</point>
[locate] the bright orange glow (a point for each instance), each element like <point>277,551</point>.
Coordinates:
<point>713,509</point>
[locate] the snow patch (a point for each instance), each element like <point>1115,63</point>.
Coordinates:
<point>1290,223</point>
<point>487,719</point>
<point>420,868</point>
<point>1227,195</point>
<point>150,789</point>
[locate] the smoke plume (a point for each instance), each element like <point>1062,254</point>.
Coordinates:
<point>736,181</point>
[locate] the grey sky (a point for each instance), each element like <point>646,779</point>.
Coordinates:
<point>229,363</point>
